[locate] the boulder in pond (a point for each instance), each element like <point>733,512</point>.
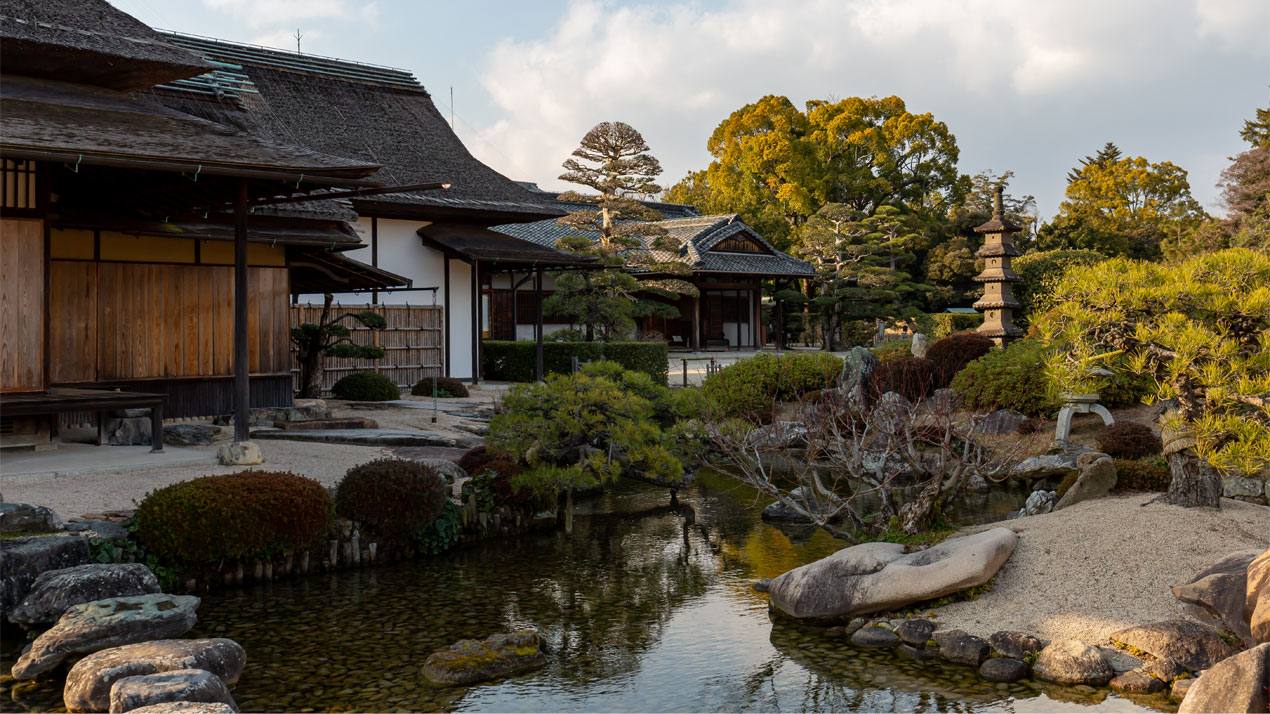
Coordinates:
<point>779,435</point>
<point>1003,669</point>
<point>1257,598</point>
<point>1014,644</point>
<point>873,577</point>
<point>89,682</point>
<point>1220,590</point>
<point>55,591</point>
<point>1039,502</point>
<point>964,649</point>
<point>1072,662</point>
<point>874,637</point>
<point>1180,688</point>
<point>103,624</point>
<point>1044,466</point>
<point>1237,684</point>
<point>178,685</point>
<point>28,518</point>
<point>762,585</point>
<point>1192,645</point>
<point>1136,681</point>
<point>23,559</point>
<point>1095,477</point>
<point>185,708</point>
<point>500,655</point>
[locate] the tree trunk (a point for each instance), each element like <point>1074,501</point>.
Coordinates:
<point>915,514</point>
<point>1191,485</point>
<point>311,374</point>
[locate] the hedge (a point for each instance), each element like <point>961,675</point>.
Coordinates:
<point>750,386</point>
<point>950,323</point>
<point>515,361</point>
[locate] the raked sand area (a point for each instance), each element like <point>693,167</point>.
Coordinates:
<point>1105,564</point>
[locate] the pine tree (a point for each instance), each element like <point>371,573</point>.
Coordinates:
<point>1106,156</point>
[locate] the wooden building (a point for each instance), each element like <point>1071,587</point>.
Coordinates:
<point>119,267</point>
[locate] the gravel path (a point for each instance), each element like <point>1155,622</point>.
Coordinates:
<point>1101,565</point>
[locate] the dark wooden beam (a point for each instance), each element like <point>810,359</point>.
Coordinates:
<point>538,361</point>
<point>476,322</point>
<point>242,384</point>
<point>445,312</point>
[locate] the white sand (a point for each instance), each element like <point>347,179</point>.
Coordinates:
<point>1101,565</point>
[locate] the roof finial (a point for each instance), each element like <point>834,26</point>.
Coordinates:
<point>297,37</point>
<point>996,200</point>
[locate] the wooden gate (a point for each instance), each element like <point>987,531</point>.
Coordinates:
<point>413,343</point>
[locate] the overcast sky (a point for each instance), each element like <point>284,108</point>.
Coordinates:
<point>1025,85</point>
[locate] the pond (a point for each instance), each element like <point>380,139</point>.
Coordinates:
<point>646,608</point>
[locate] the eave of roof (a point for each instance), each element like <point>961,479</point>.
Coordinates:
<point>471,242</point>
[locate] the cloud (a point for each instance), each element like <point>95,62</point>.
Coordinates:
<point>259,13</point>
<point>1029,86</point>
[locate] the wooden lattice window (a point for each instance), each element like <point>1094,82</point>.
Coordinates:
<point>17,185</point>
<point>739,244</point>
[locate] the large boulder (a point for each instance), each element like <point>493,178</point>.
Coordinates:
<point>496,656</point>
<point>189,434</point>
<point>1073,662</point>
<point>178,685</point>
<point>1095,477</point>
<point>1237,684</point>
<point>1220,590</point>
<point>54,591</point>
<point>27,518</point>
<point>1002,421</point>
<point>858,365</point>
<point>1039,502</point>
<point>89,682</point>
<point>920,345</point>
<point>1257,598</point>
<point>1044,466</point>
<point>1192,645</point>
<point>873,577</point>
<point>779,435</point>
<point>23,559</point>
<point>99,625</point>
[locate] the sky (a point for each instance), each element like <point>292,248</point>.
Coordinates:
<point>1029,86</point>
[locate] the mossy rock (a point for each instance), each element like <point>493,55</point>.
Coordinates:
<point>501,655</point>
<point>1068,481</point>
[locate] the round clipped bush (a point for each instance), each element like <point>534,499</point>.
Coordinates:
<point>1012,378</point>
<point>243,516</point>
<point>393,499</point>
<point>366,387</point>
<point>910,377</point>
<point>447,387</point>
<point>890,350</point>
<point>949,354</point>
<point>750,386</point>
<point>1142,476</point>
<point>1128,440</point>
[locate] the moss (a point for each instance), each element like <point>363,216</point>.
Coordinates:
<point>970,593</point>
<point>1231,639</point>
<point>1068,481</point>
<point>1131,649</point>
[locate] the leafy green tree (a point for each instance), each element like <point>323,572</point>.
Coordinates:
<point>1106,156</point>
<point>1041,272</point>
<point>1199,329</point>
<point>1256,131</point>
<point>329,338</point>
<point>613,161</point>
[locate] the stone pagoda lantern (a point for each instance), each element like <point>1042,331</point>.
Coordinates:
<point>998,301</point>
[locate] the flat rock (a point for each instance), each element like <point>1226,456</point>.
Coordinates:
<point>55,591</point>
<point>23,559</point>
<point>1003,669</point>
<point>779,435</point>
<point>1044,466</point>
<point>873,577</point>
<point>189,434</point>
<point>89,682</point>
<point>1237,684</point>
<point>1096,476</point>
<point>185,708</point>
<point>103,624</point>
<point>1002,421</point>
<point>334,423</point>
<point>916,632</point>
<point>1072,662</point>
<point>1192,645</point>
<point>28,518</point>
<point>178,685</point>
<point>1220,590</point>
<point>1136,681</point>
<point>874,637</point>
<point>1016,645</point>
<point>964,649</point>
<point>448,470</point>
<point>101,530</point>
<point>496,656</point>
<point>1257,598</point>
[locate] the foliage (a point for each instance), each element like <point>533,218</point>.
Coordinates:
<point>751,386</point>
<point>910,377</point>
<point>127,550</point>
<point>475,459</point>
<point>1010,378</point>
<point>1041,271</point>
<point>892,349</point>
<point>949,354</point>
<point>516,361</point>
<point>446,387</point>
<point>565,334</point>
<point>1149,475</point>
<point>366,387</point>
<point>943,324</point>
<point>240,516</point>
<point>1199,329</point>
<point>443,533</point>
<point>392,498</point>
<point>496,483</point>
<point>619,232</point>
<point>1128,440</point>
<point>330,338</point>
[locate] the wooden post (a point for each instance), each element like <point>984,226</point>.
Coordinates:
<point>538,370</point>
<point>476,321</point>
<point>374,254</point>
<point>445,312</point>
<point>780,326</point>
<point>242,383</point>
<point>696,323</point>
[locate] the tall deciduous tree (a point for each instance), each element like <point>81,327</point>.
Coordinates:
<point>613,161</point>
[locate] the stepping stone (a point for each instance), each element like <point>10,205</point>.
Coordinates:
<point>874,637</point>
<point>1003,669</point>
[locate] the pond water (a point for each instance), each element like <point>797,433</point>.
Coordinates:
<point>646,608</point>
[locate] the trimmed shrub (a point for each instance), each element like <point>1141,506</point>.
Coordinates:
<point>891,349</point>
<point>1124,388</point>
<point>949,354</point>
<point>1128,440</point>
<point>943,324</point>
<point>393,499</point>
<point>366,387</point>
<point>1041,271</point>
<point>516,361</point>
<point>447,387</point>
<point>242,516</point>
<point>752,385</point>
<point>910,377</point>
<point>475,459</point>
<point>1151,475</point>
<point>1010,378</point>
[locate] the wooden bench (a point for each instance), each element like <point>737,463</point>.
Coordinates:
<point>59,400</point>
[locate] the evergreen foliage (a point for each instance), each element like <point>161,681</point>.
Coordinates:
<point>1010,378</point>
<point>1041,271</point>
<point>517,361</point>
<point>329,338</point>
<point>1128,440</point>
<point>392,499</point>
<point>751,386</point>
<point>366,387</point>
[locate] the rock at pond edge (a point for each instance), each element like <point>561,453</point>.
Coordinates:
<point>500,655</point>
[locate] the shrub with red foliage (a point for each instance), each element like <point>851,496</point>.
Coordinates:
<point>473,462</point>
<point>1128,440</point>
<point>910,377</point>
<point>392,498</point>
<point>949,354</point>
<point>247,515</point>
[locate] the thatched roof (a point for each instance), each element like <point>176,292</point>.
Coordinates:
<point>376,114</point>
<point>90,42</point>
<point>495,250</point>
